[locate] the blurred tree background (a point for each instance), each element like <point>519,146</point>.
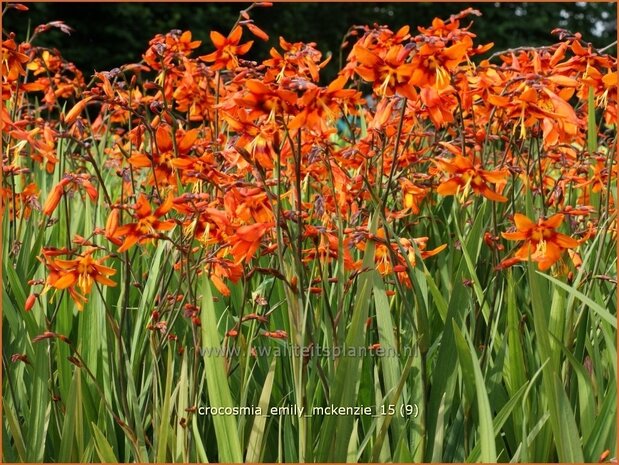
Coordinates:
<point>107,35</point>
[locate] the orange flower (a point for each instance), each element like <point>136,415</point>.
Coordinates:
<point>261,99</point>
<point>468,175</point>
<point>228,49</point>
<point>43,142</point>
<point>321,105</point>
<point>326,247</point>
<point>74,112</point>
<point>389,74</point>
<point>412,195</point>
<point>440,104</point>
<point>13,59</point>
<point>82,272</point>
<point>246,240</point>
<point>248,204</point>
<point>277,334</point>
<point>220,268</point>
<point>147,226</point>
<point>434,62</point>
<point>162,160</point>
<point>543,244</point>
<point>164,50</point>
<point>299,60</point>
<point>383,256</point>
<point>19,203</point>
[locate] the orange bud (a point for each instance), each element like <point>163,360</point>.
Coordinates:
<point>604,455</point>
<point>30,302</point>
<point>53,200</point>
<point>277,334</point>
<point>91,191</point>
<point>488,239</point>
<point>107,86</point>
<point>576,258</point>
<point>255,30</point>
<point>74,112</point>
<point>112,223</point>
<point>220,285</point>
<point>507,263</point>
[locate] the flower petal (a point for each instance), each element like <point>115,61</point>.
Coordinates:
<point>65,281</point>
<point>218,39</point>
<point>522,222</point>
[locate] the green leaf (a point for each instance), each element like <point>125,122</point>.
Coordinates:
<point>499,421</point>
<point>337,430</point>
<point>393,400</point>
<point>14,429</point>
<point>469,361</point>
<point>516,367</point>
<point>390,362</point>
<point>197,438</point>
<point>67,443</point>
<point>40,404</point>
<point>562,420</point>
<point>256,437</point>
<point>164,412</point>
<point>102,446</point>
<point>444,374</point>
<point>597,308</point>
<point>181,405</point>
<point>601,434</point>
<point>228,444</point>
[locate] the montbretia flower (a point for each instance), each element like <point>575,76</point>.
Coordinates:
<point>228,49</point>
<point>434,62</point>
<point>13,59</point>
<point>277,334</point>
<point>542,243</point>
<point>386,252</point>
<point>440,104</point>
<point>412,195</point>
<point>388,72</point>
<point>21,203</point>
<point>220,268</point>
<point>163,50</point>
<point>320,105</point>
<point>81,272</point>
<point>298,60</point>
<point>169,147</point>
<point>327,247</point>
<point>246,240</point>
<point>248,204</point>
<point>465,174</point>
<point>148,225</point>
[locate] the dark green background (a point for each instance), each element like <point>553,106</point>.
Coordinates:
<point>109,34</point>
